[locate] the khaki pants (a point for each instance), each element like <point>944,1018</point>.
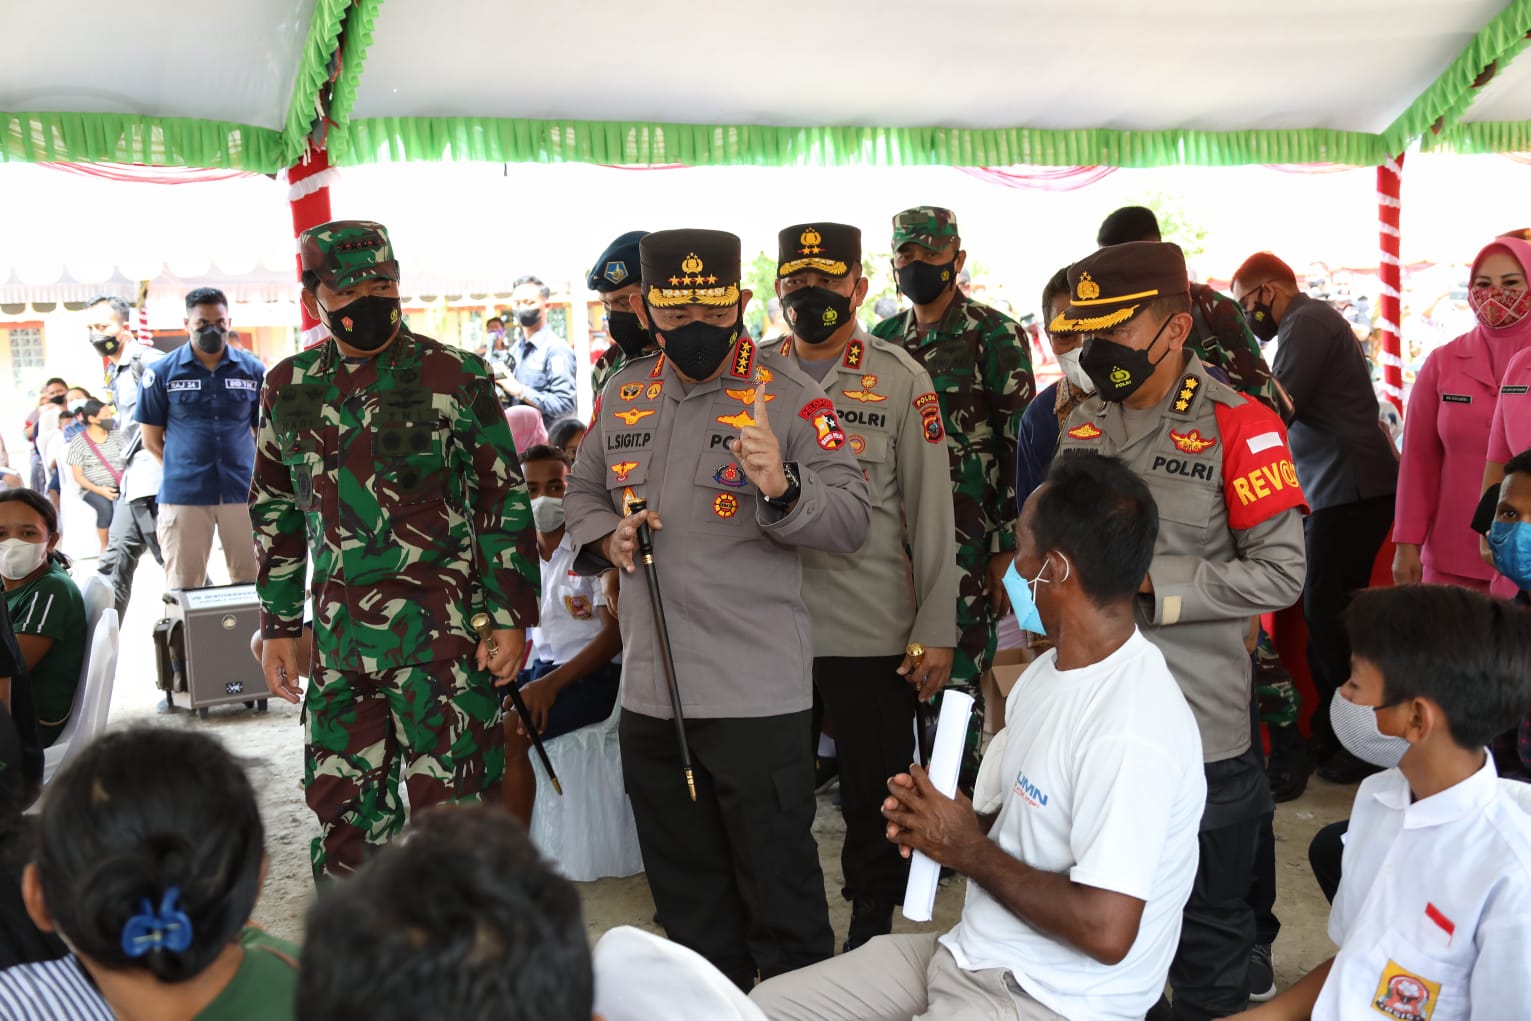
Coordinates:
<point>186,539</point>
<point>897,978</point>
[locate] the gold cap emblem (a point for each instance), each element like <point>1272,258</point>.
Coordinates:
<point>1089,290</point>
<point>810,237</point>
<point>692,264</point>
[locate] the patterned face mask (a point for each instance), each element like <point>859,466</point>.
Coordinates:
<point>1498,307</point>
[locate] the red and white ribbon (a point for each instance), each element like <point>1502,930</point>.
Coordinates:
<point>1389,179</point>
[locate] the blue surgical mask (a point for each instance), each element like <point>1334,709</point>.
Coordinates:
<point>1510,542</point>
<point>1023,598</point>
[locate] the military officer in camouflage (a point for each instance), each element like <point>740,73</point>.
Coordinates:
<point>1220,335</point>
<point>981,366</point>
<point>742,465</point>
<point>615,277</point>
<point>384,463</point>
<point>879,643</point>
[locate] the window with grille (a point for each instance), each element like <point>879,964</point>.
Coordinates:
<point>26,354</point>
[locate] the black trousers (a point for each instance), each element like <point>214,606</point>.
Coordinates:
<point>1210,971</point>
<point>735,875</point>
<point>134,529</point>
<point>1325,853</point>
<point>1342,546</point>
<point>873,710</point>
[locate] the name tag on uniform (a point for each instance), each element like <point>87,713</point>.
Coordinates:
<point>1456,398</point>
<point>1514,389</point>
<point>183,384</point>
<point>241,384</point>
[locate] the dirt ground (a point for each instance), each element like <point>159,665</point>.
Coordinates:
<point>270,744</point>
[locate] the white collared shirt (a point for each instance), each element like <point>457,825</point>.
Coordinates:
<point>569,619</point>
<point>1433,913</point>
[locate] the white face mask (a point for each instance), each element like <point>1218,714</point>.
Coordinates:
<point>19,558</point>
<point>547,513</point>
<point>1356,728</point>
<point>1068,361</point>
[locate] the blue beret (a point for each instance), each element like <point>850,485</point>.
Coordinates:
<point>618,265</point>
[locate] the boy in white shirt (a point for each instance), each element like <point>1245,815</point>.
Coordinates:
<point>1433,913</point>
<point>1076,890</point>
<point>572,682</point>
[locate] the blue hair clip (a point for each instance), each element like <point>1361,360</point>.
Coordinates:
<point>167,929</point>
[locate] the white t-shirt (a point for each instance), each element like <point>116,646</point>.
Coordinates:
<point>568,619</point>
<point>1108,789</point>
<point>1433,914</point>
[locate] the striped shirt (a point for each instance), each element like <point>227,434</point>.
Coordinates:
<point>50,991</point>
<point>96,472</point>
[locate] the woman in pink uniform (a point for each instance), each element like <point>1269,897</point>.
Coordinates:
<point>1447,426</point>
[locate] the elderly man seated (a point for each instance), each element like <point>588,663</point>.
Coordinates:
<point>1075,889</point>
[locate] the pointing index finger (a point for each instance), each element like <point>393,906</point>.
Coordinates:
<point>760,404</point>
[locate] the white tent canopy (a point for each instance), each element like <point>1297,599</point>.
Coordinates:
<point>992,82</point>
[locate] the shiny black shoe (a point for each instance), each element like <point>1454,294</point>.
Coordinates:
<point>1345,768</point>
<point>1288,768</point>
<point>870,917</point>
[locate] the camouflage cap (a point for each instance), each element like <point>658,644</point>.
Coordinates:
<point>1117,283</point>
<point>927,226</point>
<point>343,253</point>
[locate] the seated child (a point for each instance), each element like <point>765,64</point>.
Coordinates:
<point>47,612</point>
<point>1433,913</point>
<point>573,681</point>
<point>149,857</point>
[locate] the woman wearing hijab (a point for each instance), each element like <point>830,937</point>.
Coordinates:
<point>526,426</point>
<point>1447,427</point>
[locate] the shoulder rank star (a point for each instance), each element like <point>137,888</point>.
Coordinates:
<point>865,394</point>
<point>1187,395</point>
<point>634,416</point>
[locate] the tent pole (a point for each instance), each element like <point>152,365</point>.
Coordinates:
<point>308,194</point>
<point>1389,176</point>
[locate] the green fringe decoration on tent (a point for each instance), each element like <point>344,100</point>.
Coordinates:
<point>132,138</point>
<point>313,71</point>
<point>1481,138</point>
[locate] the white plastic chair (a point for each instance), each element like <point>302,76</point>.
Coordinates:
<point>96,591</point>
<point>588,833</point>
<point>92,697</point>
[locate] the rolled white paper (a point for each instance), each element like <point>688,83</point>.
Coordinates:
<point>945,763</point>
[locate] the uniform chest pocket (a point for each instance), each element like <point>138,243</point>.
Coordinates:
<point>870,447</point>
<point>1403,981</point>
<point>305,467</point>
<point>188,398</point>
<point>1186,487</point>
<point>410,467</point>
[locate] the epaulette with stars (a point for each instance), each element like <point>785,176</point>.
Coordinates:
<point>1185,399</point>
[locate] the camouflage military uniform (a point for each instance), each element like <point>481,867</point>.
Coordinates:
<point>1223,341</point>
<point>397,481</point>
<point>980,363</point>
<point>609,364</point>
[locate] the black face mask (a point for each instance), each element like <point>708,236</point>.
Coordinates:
<point>105,344</point>
<point>1118,371</point>
<point>367,323</point>
<point>816,313</point>
<point>528,317</point>
<point>1262,322</point>
<point>698,348</point>
<point>626,331</point>
<point>60,399</point>
<point>923,282</point>
<point>209,339</point>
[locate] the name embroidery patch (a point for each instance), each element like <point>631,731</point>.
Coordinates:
<point>183,384</point>
<point>1456,398</point>
<point>241,384</point>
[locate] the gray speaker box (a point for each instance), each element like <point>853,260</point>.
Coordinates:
<point>215,625</point>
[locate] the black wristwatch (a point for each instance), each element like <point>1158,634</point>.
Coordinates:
<point>793,491</point>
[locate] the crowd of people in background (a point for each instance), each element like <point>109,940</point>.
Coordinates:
<point>853,514</point>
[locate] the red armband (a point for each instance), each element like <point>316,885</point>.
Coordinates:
<point>1259,476</point>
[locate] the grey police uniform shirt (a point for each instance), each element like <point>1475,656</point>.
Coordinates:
<point>1230,539</point>
<point>878,599</point>
<point>727,563</point>
<point>1341,452</point>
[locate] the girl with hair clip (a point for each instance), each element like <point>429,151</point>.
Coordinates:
<point>150,855</point>
<point>47,611</point>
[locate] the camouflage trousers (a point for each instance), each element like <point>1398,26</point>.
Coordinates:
<point>976,639</point>
<point>435,726</point>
